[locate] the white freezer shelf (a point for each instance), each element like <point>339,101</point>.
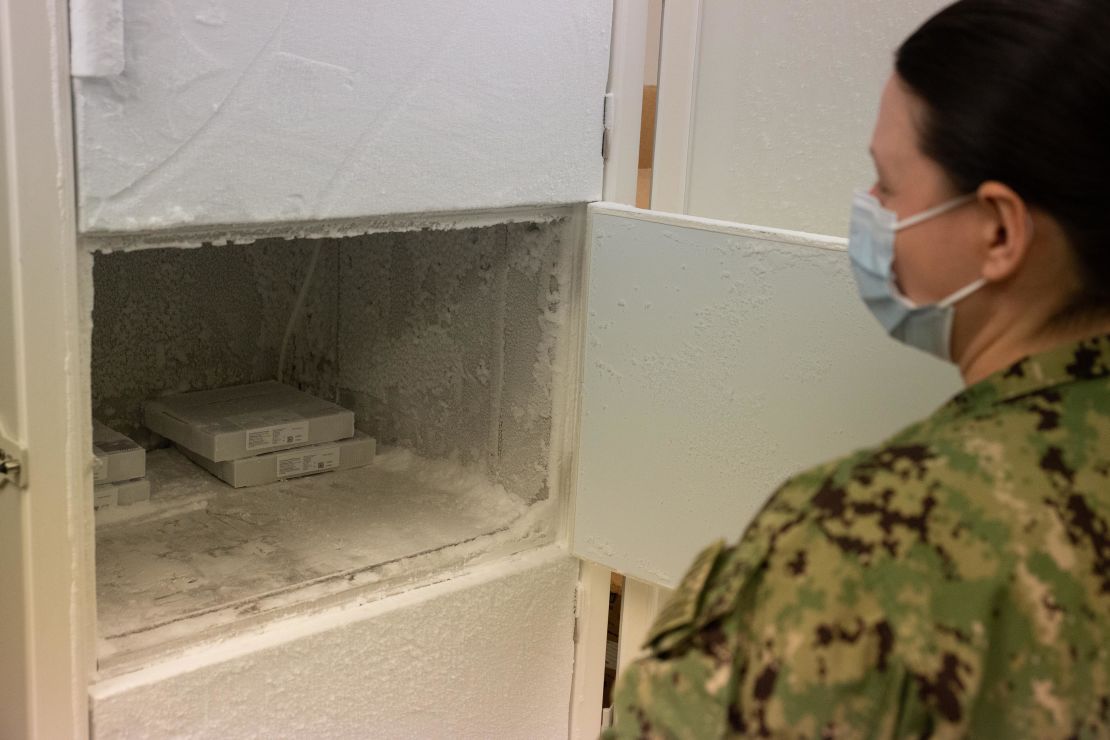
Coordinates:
<point>261,551</point>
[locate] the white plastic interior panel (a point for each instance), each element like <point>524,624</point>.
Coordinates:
<point>786,89</point>
<point>487,654</point>
<point>271,110</point>
<point>720,360</point>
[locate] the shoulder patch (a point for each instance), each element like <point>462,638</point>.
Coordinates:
<point>682,609</point>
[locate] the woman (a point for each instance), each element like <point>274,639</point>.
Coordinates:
<point>954,581</point>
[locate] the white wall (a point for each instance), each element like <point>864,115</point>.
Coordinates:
<point>484,655</point>
<point>651,51</point>
<point>787,95</point>
<point>262,110</point>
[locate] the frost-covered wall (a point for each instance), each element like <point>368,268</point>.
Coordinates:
<point>175,320</point>
<point>272,110</point>
<point>484,655</point>
<point>441,341</point>
<point>445,342</point>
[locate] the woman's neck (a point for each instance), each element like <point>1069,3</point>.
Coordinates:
<point>1014,344</point>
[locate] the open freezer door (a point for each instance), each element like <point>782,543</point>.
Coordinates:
<point>720,359</point>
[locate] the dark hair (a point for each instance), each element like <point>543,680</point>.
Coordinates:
<point>1018,91</point>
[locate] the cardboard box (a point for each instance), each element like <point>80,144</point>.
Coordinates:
<point>274,466</point>
<point>116,457</point>
<point>247,420</point>
<point>124,493</point>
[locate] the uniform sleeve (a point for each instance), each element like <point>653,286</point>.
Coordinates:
<point>782,636</point>
<point>679,689</point>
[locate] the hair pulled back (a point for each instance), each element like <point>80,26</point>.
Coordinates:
<point>1018,91</point>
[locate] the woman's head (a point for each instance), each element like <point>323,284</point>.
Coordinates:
<point>1011,99</point>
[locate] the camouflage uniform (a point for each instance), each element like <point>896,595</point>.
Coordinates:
<point>953,582</point>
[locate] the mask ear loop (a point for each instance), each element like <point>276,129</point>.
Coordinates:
<point>978,285</point>
<point>963,293</point>
<point>934,212</point>
<point>925,216</point>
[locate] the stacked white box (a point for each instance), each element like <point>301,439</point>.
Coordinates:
<point>247,420</point>
<point>116,457</point>
<point>260,433</point>
<point>123,493</point>
<point>271,467</point>
<point>119,470</point>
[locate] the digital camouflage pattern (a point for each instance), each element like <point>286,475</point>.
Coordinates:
<point>954,582</point>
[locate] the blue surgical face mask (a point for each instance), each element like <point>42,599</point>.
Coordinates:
<point>871,247</point>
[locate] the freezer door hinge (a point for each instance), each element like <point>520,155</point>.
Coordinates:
<point>607,118</point>
<point>13,464</point>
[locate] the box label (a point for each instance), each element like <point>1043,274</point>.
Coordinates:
<point>304,462</point>
<point>104,497</point>
<point>263,438</point>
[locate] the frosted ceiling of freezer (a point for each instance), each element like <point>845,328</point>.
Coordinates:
<point>259,110</point>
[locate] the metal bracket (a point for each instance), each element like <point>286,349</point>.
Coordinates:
<point>13,464</point>
<point>608,116</point>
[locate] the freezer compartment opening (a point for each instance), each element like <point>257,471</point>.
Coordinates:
<point>447,345</point>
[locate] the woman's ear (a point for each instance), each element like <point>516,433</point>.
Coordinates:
<point>1007,230</point>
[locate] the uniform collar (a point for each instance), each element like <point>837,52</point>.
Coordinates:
<point>1085,360</point>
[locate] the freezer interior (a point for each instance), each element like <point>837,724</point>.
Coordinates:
<point>450,346</point>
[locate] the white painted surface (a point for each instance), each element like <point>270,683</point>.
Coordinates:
<point>15,679</point>
<point>488,654</point>
<point>678,69</point>
<point>640,606</point>
<point>11,308</point>
<point>626,93</point>
<point>46,612</point>
<point>589,653</point>
<point>721,359</point>
<point>787,93</point>
<point>654,33</point>
<point>283,111</point>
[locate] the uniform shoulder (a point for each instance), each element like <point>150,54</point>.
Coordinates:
<point>802,513</point>
<point>932,449</point>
